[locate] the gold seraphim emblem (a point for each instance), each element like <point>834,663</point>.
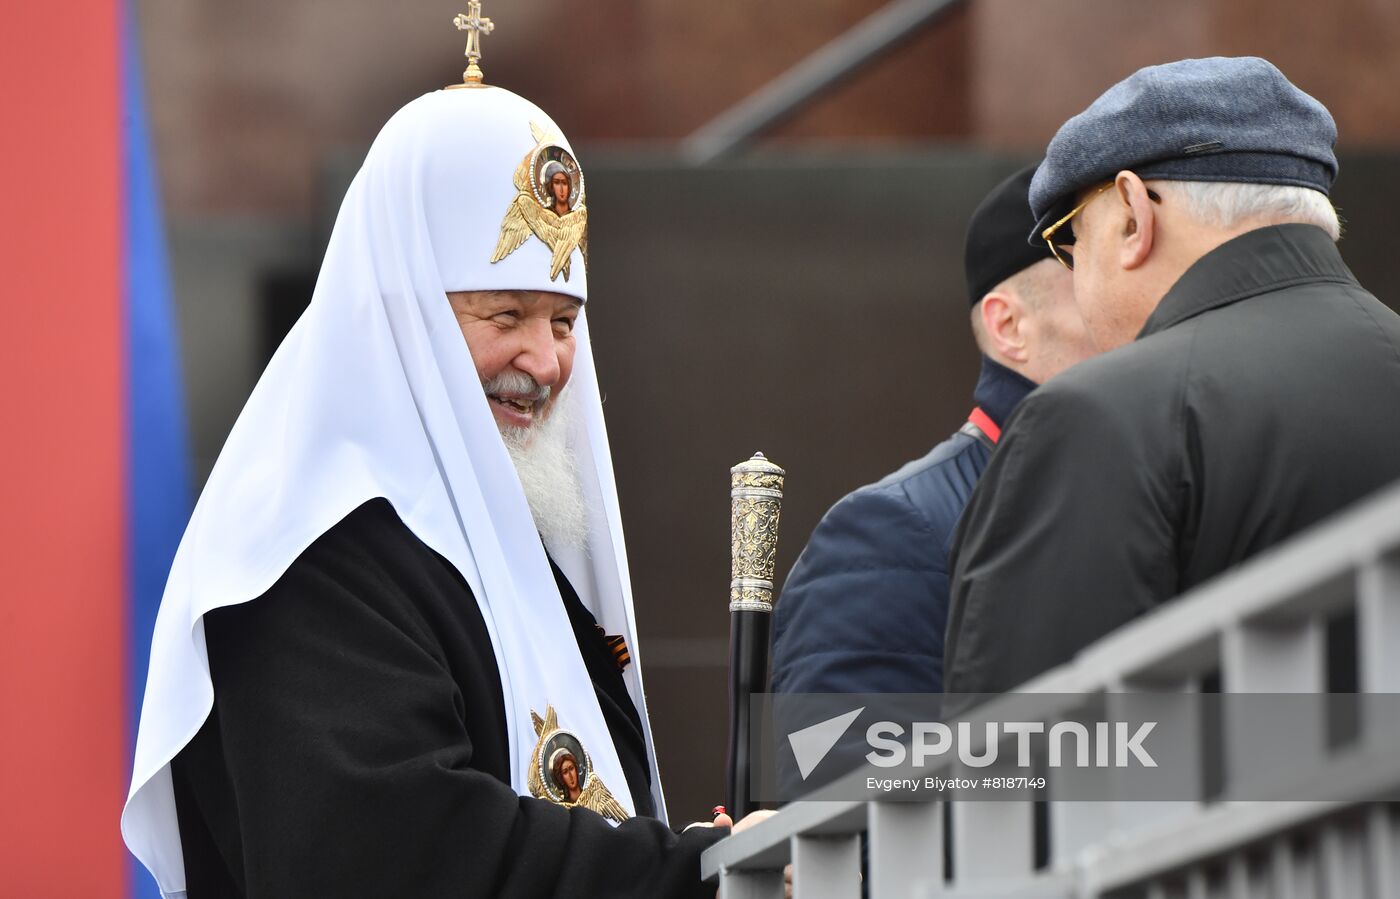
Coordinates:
<point>549,204</point>
<point>562,772</point>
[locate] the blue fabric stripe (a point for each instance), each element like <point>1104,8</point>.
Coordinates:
<point>158,459</point>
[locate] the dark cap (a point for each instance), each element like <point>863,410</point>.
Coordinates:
<point>995,248</point>
<point>1220,119</point>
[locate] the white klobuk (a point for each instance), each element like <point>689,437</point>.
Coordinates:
<point>374,394</point>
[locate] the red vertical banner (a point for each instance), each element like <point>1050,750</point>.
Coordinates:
<point>63,740</point>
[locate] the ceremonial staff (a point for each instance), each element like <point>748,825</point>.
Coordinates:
<point>756,499</point>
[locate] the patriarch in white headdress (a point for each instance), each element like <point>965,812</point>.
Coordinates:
<point>375,394</point>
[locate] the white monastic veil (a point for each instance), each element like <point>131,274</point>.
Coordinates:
<point>374,393</point>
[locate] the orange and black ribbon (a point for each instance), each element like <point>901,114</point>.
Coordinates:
<point>617,646</point>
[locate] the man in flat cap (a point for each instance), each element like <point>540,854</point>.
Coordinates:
<point>1253,387</point>
<point>865,606</point>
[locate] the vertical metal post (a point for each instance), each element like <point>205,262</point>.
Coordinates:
<point>1283,876</point>
<point>750,884</point>
<point>1378,620</point>
<point>1275,657</point>
<point>1075,825</point>
<point>1383,851</point>
<point>1176,740</point>
<point>1262,736</point>
<point>1197,887</point>
<point>993,842</point>
<point>905,849</point>
<point>1378,614</point>
<point>1237,873</point>
<point>1341,868</point>
<point>826,867</point>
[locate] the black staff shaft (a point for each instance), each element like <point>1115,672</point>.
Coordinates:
<point>748,674</point>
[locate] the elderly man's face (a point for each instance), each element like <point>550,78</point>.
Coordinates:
<point>1089,269</point>
<point>520,332</point>
<point>1114,291</point>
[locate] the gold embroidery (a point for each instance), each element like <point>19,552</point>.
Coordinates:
<point>549,204</point>
<point>562,772</point>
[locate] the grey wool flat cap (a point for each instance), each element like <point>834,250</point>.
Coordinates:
<point>1232,119</point>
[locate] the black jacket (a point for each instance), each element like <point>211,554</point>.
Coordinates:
<point>357,746</point>
<point>1262,395</point>
<point>865,607</point>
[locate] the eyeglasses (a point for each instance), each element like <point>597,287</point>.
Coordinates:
<point>1063,251</point>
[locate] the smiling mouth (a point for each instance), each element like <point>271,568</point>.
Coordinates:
<point>522,404</point>
<point>516,399</point>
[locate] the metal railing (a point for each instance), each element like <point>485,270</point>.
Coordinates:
<point>837,61</point>
<point>1261,628</point>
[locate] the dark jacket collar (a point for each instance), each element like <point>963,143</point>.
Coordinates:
<point>1256,262</point>
<point>999,389</point>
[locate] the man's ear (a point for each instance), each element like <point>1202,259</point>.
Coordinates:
<point>1002,319</point>
<point>1140,222</point>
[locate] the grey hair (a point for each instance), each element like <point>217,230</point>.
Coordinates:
<point>1226,204</point>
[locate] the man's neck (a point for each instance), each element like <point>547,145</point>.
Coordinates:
<point>999,389</point>
<point>1190,241</point>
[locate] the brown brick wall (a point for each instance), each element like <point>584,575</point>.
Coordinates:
<point>248,100</point>
<point>1037,63</point>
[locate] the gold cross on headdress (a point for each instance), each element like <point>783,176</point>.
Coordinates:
<point>475,26</point>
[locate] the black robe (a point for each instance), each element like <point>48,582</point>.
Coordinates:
<point>357,746</point>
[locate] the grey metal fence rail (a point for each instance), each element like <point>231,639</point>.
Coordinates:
<point>1262,629</point>
<point>839,60</point>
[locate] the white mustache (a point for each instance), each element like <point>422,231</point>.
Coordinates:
<point>516,383</point>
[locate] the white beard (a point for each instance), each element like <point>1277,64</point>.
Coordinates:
<point>548,472</point>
